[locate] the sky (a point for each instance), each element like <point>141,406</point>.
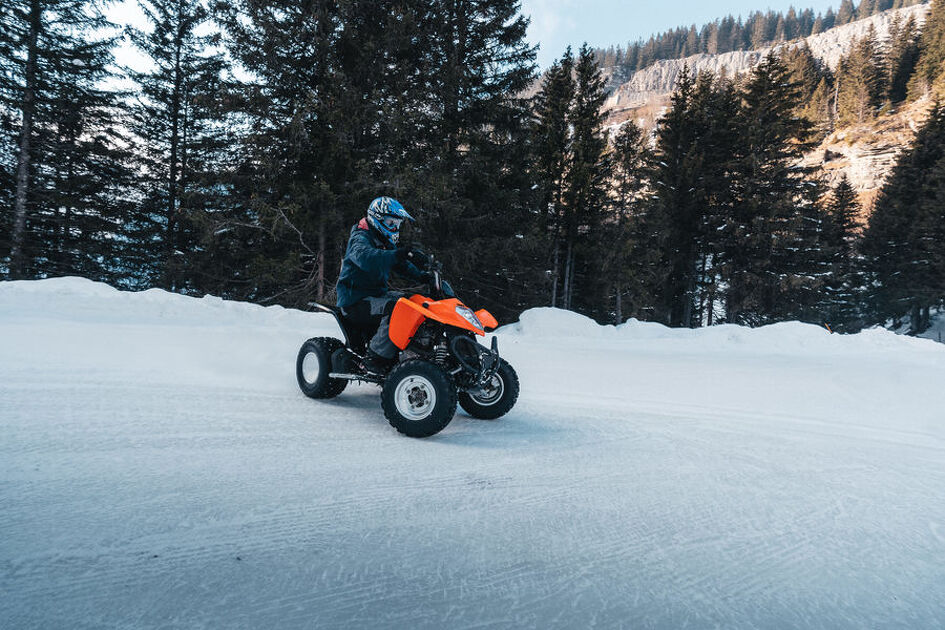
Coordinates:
<point>557,23</point>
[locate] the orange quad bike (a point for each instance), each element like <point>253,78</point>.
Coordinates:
<point>439,364</point>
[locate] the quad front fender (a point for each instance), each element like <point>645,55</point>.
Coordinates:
<point>409,314</point>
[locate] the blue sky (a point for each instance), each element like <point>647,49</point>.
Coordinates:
<point>557,23</point>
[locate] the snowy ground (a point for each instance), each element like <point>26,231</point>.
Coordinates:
<point>160,468</point>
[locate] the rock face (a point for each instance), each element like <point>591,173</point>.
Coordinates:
<point>867,153</point>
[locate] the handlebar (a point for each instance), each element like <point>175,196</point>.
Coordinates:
<point>439,287</point>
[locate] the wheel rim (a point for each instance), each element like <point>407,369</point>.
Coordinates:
<point>490,393</point>
<point>415,397</point>
<point>311,367</point>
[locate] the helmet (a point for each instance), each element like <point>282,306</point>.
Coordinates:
<point>385,215</point>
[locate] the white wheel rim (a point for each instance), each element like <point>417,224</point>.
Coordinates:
<point>490,393</point>
<point>415,397</point>
<point>311,368</point>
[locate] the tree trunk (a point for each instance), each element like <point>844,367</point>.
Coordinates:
<point>554,277</point>
<point>700,314</point>
<point>711,307</point>
<point>618,310</point>
<point>687,302</point>
<point>571,267</point>
<point>320,261</point>
<point>24,156</point>
<point>568,262</point>
<point>173,173</point>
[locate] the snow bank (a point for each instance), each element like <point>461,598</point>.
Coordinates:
<point>781,338</point>
<point>78,299</point>
<point>154,336</point>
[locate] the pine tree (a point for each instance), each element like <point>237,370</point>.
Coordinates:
<point>552,142</point>
<point>349,101</point>
<point>66,176</point>
<point>268,243</point>
<point>866,8</point>
<point>846,13</point>
<point>842,294</point>
<point>176,121</point>
<point>716,105</point>
<point>79,217</point>
<point>690,173</point>
<point>820,109</point>
<point>818,26</point>
<point>630,261</point>
<point>928,72</point>
<point>860,81</point>
<point>901,59</point>
<point>766,259</point>
<point>759,32</point>
<point>585,181</point>
<point>675,171</point>
<point>814,81</point>
<point>805,23</point>
<point>904,245</point>
<point>791,25</point>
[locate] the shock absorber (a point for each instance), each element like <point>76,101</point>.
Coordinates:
<point>440,354</point>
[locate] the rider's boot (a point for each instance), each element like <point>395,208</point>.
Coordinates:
<point>376,364</point>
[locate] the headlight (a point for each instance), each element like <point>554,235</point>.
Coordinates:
<point>469,316</point>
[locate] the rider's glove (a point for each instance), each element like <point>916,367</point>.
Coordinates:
<point>418,258</point>
<point>401,254</point>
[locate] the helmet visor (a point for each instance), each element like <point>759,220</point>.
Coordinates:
<point>392,223</point>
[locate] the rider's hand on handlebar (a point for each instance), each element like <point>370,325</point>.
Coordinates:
<point>418,258</point>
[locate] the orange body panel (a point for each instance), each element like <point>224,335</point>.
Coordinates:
<point>404,322</point>
<point>488,321</point>
<point>408,314</point>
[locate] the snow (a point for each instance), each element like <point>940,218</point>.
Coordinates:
<point>160,468</point>
<point>936,330</point>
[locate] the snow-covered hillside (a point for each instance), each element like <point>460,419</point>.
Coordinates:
<point>160,468</point>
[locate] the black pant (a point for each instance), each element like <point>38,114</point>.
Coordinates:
<point>373,313</point>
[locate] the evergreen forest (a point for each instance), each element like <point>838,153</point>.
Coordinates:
<point>237,162</point>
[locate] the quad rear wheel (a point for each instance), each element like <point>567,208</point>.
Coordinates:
<point>419,398</point>
<point>495,398</point>
<point>313,366</point>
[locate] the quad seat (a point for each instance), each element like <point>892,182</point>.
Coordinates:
<point>356,337</point>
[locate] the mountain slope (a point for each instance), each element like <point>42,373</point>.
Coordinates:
<point>865,153</point>
<point>159,467</point>
<point>659,80</point>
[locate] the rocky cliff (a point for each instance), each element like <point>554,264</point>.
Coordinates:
<point>867,153</point>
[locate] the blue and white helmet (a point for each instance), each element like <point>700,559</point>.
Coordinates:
<point>385,215</point>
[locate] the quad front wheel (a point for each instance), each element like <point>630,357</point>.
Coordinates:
<point>313,366</point>
<point>419,398</point>
<point>496,396</point>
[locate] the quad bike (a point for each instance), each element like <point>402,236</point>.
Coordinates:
<point>440,362</point>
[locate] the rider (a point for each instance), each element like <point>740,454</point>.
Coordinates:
<point>363,295</point>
